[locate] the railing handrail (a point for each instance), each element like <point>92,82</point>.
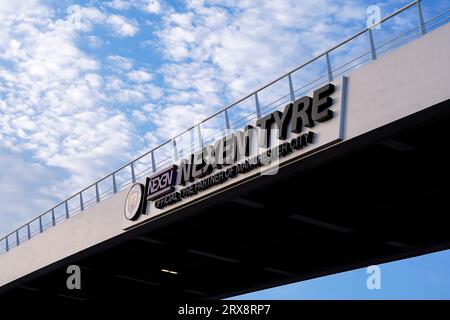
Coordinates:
<point>324,53</point>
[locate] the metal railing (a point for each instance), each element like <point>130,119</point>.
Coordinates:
<point>248,109</point>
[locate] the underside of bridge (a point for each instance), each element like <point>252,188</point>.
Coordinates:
<point>378,198</point>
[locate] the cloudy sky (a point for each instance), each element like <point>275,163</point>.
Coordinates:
<point>86,86</point>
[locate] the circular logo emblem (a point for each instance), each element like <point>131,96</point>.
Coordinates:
<point>133,203</point>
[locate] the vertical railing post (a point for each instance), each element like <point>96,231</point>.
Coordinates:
<point>81,202</point>
<point>133,176</point>
<point>372,45</point>
<point>200,138</point>
<point>192,140</point>
<point>41,228</point>
<point>66,205</point>
<point>17,237</point>
<point>28,231</point>
<point>291,88</point>
<point>97,193</point>
<point>175,150</point>
<point>114,182</point>
<point>227,120</point>
<point>180,152</point>
<point>153,162</point>
<point>258,109</point>
<point>53,217</point>
<point>421,21</point>
<point>7,243</point>
<point>330,71</point>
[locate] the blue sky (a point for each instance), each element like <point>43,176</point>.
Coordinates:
<point>424,277</point>
<point>85,86</point>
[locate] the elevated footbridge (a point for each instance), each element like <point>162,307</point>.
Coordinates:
<point>354,172</point>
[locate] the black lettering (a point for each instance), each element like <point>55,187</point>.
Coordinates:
<point>198,165</point>
<point>228,154</point>
<point>281,120</point>
<point>243,142</point>
<point>185,173</point>
<point>321,103</point>
<point>301,114</point>
<point>264,124</point>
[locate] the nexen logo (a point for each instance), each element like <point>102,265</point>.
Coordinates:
<point>161,183</point>
<point>303,112</point>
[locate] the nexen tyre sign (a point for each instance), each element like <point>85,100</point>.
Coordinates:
<point>303,126</point>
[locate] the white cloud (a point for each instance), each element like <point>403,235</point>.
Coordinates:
<point>139,116</point>
<point>120,62</point>
<point>138,92</point>
<point>146,44</point>
<point>22,181</point>
<point>94,41</point>
<point>118,4</point>
<point>139,76</point>
<point>55,103</point>
<point>151,6</point>
<point>121,26</point>
<point>58,104</point>
<point>148,6</point>
<point>16,6</point>
<point>84,19</point>
<point>218,51</point>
